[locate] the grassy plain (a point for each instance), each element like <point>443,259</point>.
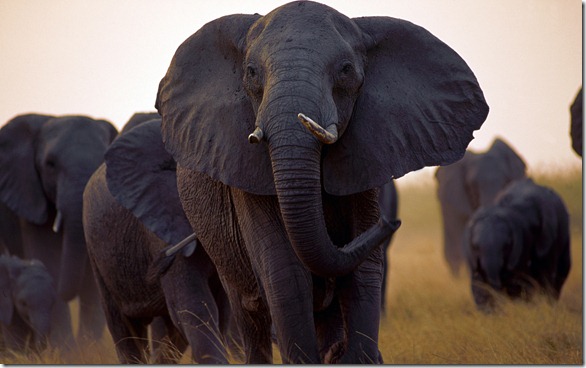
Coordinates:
<point>431,318</point>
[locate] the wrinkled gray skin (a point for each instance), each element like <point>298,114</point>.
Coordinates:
<point>292,223</point>
<point>576,123</point>
<point>466,185</point>
<point>122,242</point>
<point>388,201</point>
<point>519,243</point>
<point>45,162</point>
<point>31,314</point>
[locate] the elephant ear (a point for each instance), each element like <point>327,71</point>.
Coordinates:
<point>20,185</point>
<point>141,175</point>
<point>419,105</point>
<point>515,166</point>
<point>451,189</point>
<point>207,116</point>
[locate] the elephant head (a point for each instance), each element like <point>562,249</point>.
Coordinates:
<point>45,163</point>
<point>28,292</point>
<point>494,246</point>
<point>336,104</point>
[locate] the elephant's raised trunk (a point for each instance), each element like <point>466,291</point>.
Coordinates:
<point>296,169</point>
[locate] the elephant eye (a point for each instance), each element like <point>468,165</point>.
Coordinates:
<point>250,71</point>
<point>347,68</point>
<point>252,81</point>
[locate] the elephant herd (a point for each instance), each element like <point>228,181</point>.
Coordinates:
<point>256,205</point>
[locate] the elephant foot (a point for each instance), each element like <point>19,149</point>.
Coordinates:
<point>335,353</point>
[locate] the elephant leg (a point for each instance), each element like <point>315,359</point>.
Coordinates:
<point>286,282</point>
<point>360,292</point>
<point>228,328</point>
<point>454,226</point>
<point>210,209</point>
<point>252,318</point>
<point>130,336</point>
<point>192,307</point>
<point>168,345</point>
<point>330,331</point>
<point>91,316</point>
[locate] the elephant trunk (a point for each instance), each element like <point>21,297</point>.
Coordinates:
<point>40,324</point>
<point>73,256</point>
<point>296,160</point>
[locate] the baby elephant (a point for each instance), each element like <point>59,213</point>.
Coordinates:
<point>31,314</point>
<point>519,243</point>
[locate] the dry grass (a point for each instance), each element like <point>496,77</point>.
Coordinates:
<point>431,317</point>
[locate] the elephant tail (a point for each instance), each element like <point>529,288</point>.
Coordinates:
<point>160,265</point>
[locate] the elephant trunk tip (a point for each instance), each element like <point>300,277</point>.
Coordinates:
<point>326,136</point>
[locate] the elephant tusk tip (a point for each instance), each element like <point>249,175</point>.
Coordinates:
<point>256,136</point>
<point>326,136</point>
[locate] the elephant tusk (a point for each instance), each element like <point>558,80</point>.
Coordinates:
<point>57,222</point>
<point>326,136</point>
<point>177,247</point>
<point>256,136</point>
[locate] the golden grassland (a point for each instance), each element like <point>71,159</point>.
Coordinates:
<point>431,317</point>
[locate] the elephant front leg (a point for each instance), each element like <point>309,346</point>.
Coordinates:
<point>286,282</point>
<point>360,303</point>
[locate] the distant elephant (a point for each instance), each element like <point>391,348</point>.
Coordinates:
<point>521,241</point>
<point>292,222</point>
<point>45,162</point>
<point>466,185</point>
<point>32,316</point>
<point>388,201</point>
<point>131,213</point>
<point>139,118</point>
<point>576,130</point>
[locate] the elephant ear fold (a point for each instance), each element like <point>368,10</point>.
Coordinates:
<point>141,176</point>
<point>20,185</point>
<point>515,165</point>
<point>451,189</point>
<point>419,105</point>
<point>207,115</point>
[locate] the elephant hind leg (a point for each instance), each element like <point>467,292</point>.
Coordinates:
<point>130,335</point>
<point>168,345</point>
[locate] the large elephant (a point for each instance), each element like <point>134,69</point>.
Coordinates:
<point>292,222</point>
<point>466,185</point>
<point>388,201</point>
<point>576,123</point>
<point>131,213</point>
<point>32,316</point>
<point>519,242</point>
<point>45,163</point>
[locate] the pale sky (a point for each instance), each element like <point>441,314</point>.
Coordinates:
<point>105,58</point>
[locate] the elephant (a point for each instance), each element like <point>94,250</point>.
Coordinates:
<point>518,244</point>
<point>466,185</point>
<point>333,108</point>
<point>32,316</point>
<point>44,166</point>
<point>139,118</point>
<point>388,201</point>
<point>131,213</point>
<point>576,132</point>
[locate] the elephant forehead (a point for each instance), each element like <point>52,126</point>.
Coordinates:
<point>305,24</point>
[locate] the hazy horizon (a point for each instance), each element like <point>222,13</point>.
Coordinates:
<point>105,59</point>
